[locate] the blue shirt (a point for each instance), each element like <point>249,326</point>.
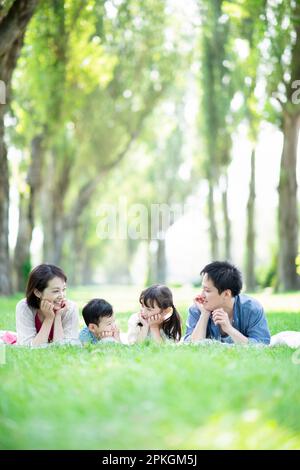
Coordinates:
<point>248,318</point>
<point>86,336</point>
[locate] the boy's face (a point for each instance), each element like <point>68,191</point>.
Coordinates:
<point>106,324</point>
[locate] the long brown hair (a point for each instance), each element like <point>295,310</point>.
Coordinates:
<point>164,299</point>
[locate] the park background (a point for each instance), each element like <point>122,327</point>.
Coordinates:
<point>111,108</point>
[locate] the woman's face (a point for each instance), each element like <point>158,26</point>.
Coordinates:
<point>55,292</point>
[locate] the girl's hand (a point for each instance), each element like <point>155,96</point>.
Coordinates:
<point>47,309</point>
<point>143,320</point>
<point>116,334</point>
<point>155,320</point>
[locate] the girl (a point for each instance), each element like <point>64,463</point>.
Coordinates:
<point>45,315</point>
<point>158,318</point>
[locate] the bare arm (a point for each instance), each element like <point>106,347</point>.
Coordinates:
<point>200,329</point>
<point>46,310</point>
<point>220,317</point>
<point>199,332</point>
<point>43,334</point>
<point>155,333</point>
<point>58,334</point>
<point>237,336</point>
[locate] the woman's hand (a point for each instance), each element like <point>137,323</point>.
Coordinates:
<point>47,309</point>
<point>62,310</point>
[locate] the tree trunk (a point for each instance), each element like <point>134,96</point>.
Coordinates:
<point>161,262</point>
<point>288,279</point>
<point>87,270</point>
<point>151,264</point>
<point>227,223</point>
<point>57,231</point>
<point>5,283</point>
<point>22,262</point>
<point>12,29</point>
<point>54,194</point>
<point>213,234</point>
<point>250,237</point>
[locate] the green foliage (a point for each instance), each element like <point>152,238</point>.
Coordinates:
<point>268,276</point>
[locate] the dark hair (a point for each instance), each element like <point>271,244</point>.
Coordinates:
<point>164,299</point>
<point>38,279</point>
<point>224,276</point>
<point>95,310</point>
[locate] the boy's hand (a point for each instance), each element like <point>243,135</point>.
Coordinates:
<point>106,334</point>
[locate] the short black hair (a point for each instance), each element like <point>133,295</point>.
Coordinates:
<point>224,276</point>
<point>95,310</point>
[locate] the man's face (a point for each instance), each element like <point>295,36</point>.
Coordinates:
<point>211,297</point>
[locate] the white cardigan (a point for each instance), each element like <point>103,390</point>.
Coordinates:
<point>25,323</point>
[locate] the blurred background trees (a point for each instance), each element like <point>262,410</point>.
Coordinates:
<point>143,106</point>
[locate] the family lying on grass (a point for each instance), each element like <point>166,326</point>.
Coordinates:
<point>220,312</point>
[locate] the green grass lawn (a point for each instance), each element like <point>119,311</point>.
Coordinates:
<point>148,396</point>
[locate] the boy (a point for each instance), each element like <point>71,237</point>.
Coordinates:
<point>100,323</point>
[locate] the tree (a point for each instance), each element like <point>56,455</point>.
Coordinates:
<point>283,58</point>
<point>14,18</point>
<point>217,92</point>
<point>246,27</point>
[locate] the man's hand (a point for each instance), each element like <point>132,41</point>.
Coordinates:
<point>220,317</point>
<point>199,302</point>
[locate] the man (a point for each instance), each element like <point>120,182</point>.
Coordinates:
<point>220,312</point>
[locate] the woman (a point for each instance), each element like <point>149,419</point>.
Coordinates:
<point>45,316</point>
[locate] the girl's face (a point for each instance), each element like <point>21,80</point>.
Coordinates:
<point>55,292</point>
<point>148,311</point>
